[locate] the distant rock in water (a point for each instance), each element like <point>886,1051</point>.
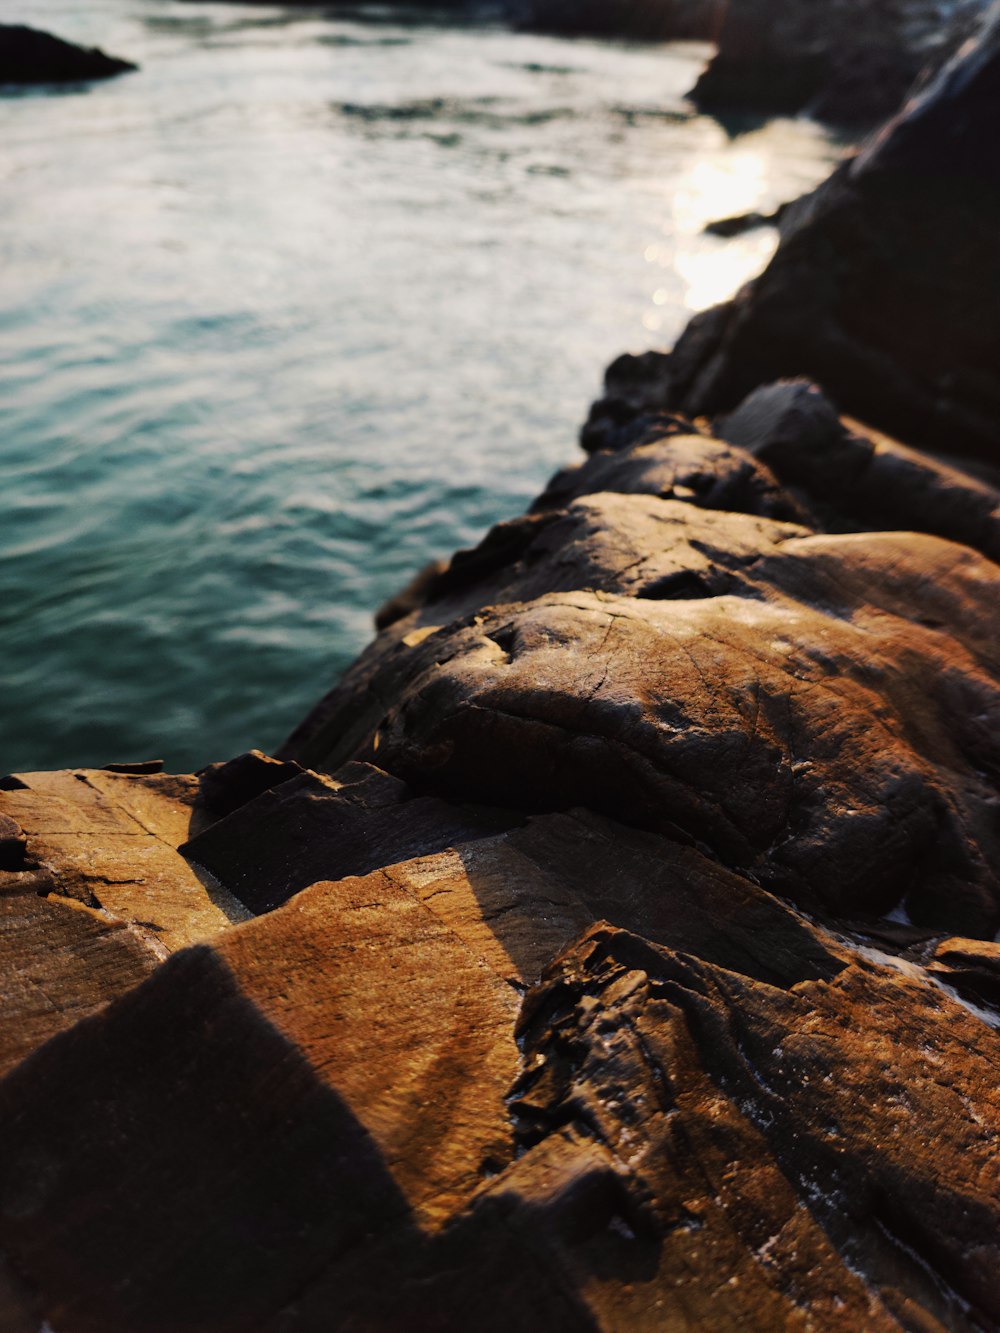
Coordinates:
<point>848,60</point>
<point>884,288</point>
<point>651,20</point>
<point>30,56</point>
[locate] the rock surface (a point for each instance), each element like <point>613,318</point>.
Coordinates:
<point>612,949</point>
<point>845,60</point>
<point>28,55</point>
<point>657,20</point>
<point>883,288</point>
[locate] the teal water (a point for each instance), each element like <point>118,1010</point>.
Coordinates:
<point>305,302</point>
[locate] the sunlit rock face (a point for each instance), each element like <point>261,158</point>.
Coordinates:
<point>501,968</point>
<point>848,61</point>
<point>545,980</point>
<point>779,692</point>
<point>883,289</point>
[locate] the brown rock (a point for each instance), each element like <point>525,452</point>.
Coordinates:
<point>59,962</point>
<point>110,840</point>
<point>721,1129</point>
<point>311,828</point>
<point>788,700</point>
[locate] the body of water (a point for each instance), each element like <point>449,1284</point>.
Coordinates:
<point>308,300</point>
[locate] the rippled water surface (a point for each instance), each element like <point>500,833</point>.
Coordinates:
<point>308,300</point>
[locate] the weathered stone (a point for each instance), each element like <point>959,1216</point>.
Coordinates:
<point>883,288</point>
<point>225,787</point>
<point>311,828</point>
<point>719,1129</point>
<point>267,1088</point>
<point>845,60</point>
<point>110,841</point>
<point>970,967</point>
<point>854,477</point>
<point>789,700</point>
<point>59,962</point>
<point>30,56</point>
<point>693,468</point>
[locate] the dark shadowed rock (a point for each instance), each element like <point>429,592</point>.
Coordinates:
<point>30,56</point>
<point>656,20</point>
<point>225,787</point>
<point>884,287</point>
<point>857,477</point>
<point>744,222</point>
<point>846,60</point>
<point>311,828</point>
<point>701,471</point>
<point>410,597</point>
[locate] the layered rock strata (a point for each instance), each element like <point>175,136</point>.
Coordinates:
<point>611,949</point>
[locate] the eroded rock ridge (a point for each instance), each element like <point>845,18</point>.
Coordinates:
<point>622,921</point>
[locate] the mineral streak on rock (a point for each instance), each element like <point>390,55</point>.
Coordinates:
<point>30,56</point>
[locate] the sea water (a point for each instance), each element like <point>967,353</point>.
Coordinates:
<point>313,298</point>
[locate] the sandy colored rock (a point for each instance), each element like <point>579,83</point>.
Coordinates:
<point>110,840</point>
<point>723,1128</point>
<point>59,962</point>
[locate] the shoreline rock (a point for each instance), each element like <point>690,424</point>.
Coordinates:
<point>30,56</point>
<point>369,1026</point>
<point>850,61</point>
<point>613,947</point>
<point>882,289</point>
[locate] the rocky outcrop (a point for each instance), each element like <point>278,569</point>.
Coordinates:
<point>883,288</point>
<point>610,950</point>
<point>28,55</point>
<point>849,61</point>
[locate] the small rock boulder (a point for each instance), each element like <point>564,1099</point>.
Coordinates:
<point>28,55</point>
